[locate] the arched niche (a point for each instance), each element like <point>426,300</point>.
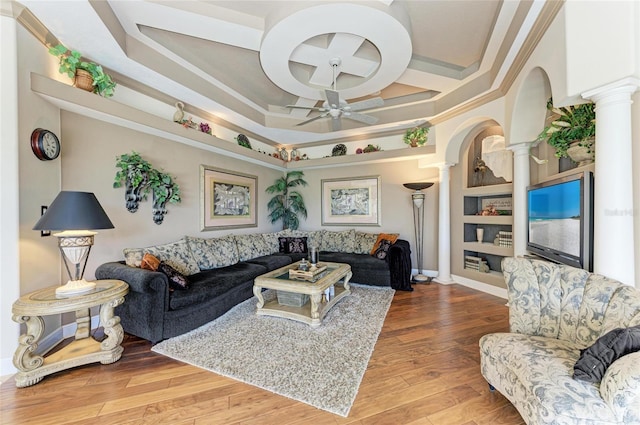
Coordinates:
<point>469,140</point>
<point>529,111</point>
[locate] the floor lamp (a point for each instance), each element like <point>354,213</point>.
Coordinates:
<point>418,223</point>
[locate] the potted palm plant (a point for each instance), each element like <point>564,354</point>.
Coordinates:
<point>88,76</point>
<point>416,136</point>
<point>287,204</point>
<point>571,131</point>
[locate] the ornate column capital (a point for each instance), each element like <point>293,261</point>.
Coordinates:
<point>624,88</point>
<point>521,148</point>
<point>443,165</point>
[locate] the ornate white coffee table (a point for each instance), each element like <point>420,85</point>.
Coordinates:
<point>312,313</point>
<point>83,350</point>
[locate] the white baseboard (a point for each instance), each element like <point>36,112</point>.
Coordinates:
<point>46,344</point>
<point>481,286</point>
<point>430,273</point>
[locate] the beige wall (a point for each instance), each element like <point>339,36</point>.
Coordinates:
<point>397,208</point>
<point>89,155</point>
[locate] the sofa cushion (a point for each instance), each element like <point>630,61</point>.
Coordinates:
<point>343,241</point>
<point>213,253</point>
<point>272,261</point>
<point>596,359</point>
<point>364,242</point>
<point>544,366</point>
<point>176,254</point>
<point>251,246</point>
<point>209,284</point>
<point>356,261</point>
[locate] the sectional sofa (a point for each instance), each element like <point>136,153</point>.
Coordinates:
<point>220,274</point>
<point>571,354</point>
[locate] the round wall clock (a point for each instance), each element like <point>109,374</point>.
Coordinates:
<point>44,144</point>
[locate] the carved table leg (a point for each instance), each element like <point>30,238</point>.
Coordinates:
<point>345,282</point>
<point>113,330</point>
<point>83,323</point>
<point>315,305</point>
<point>257,291</point>
<point>24,359</point>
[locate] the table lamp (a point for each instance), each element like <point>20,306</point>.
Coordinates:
<point>418,223</point>
<point>75,215</point>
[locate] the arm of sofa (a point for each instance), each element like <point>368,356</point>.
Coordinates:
<point>620,388</point>
<point>142,313</point>
<point>400,265</point>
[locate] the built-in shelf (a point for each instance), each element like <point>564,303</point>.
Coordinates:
<point>496,189</point>
<point>88,104</point>
<point>488,248</point>
<point>488,219</point>
<point>589,167</point>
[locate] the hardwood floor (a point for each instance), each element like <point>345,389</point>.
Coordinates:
<point>424,371</point>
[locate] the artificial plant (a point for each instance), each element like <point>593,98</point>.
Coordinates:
<point>287,204</point>
<point>71,61</point>
<point>416,136</point>
<point>570,124</point>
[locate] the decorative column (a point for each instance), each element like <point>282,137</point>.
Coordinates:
<point>613,208</point>
<point>521,179</point>
<point>9,190</point>
<point>444,225</point>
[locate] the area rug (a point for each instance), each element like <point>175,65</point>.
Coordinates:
<point>322,367</point>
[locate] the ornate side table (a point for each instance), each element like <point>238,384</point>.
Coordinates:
<point>84,349</point>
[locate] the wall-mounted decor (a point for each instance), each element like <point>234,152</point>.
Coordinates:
<point>134,175</point>
<point>164,190</point>
<point>351,201</point>
<point>45,144</point>
<point>139,178</point>
<point>228,199</point>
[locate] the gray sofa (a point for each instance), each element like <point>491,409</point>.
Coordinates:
<point>221,272</point>
<point>555,312</point>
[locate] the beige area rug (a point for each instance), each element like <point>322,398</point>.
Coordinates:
<point>322,367</point>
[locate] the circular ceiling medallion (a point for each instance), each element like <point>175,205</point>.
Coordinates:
<point>299,38</point>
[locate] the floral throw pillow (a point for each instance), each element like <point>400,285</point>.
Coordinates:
<point>176,279</point>
<point>293,245</point>
<point>338,241</point>
<point>214,253</point>
<point>176,254</point>
<point>391,237</point>
<point>364,242</point>
<point>383,249</point>
<point>251,246</point>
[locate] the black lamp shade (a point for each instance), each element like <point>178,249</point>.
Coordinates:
<point>417,186</point>
<point>74,211</point>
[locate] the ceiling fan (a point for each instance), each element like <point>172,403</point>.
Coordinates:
<point>337,108</point>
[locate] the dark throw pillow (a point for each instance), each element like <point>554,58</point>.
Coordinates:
<point>383,249</point>
<point>595,360</point>
<point>293,245</point>
<point>176,279</point>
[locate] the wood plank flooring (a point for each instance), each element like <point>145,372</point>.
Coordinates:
<point>425,370</point>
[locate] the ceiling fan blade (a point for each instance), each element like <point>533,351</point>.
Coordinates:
<point>366,104</point>
<point>310,108</point>
<point>336,124</point>
<point>367,119</point>
<point>313,119</point>
<point>333,98</point>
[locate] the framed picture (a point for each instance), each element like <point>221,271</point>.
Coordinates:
<point>351,201</point>
<point>228,199</point>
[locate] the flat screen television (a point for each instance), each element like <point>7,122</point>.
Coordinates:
<point>560,220</point>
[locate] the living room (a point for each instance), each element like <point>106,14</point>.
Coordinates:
<point>560,62</point>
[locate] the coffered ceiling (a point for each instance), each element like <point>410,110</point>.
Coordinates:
<point>241,63</point>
